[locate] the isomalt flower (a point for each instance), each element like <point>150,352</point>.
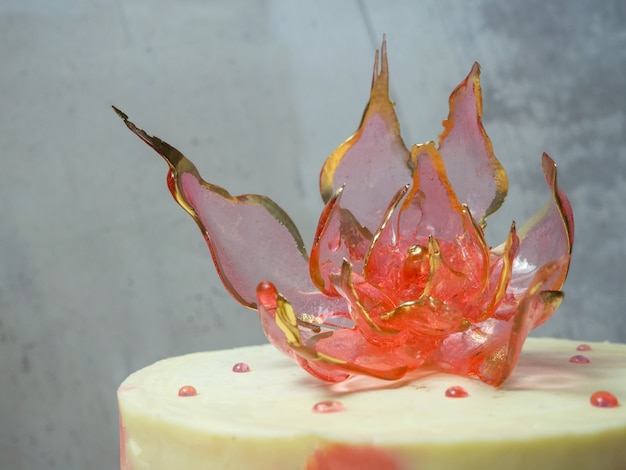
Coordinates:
<point>400,276</point>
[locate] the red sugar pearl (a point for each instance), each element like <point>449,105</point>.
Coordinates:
<point>603,399</point>
<point>579,359</point>
<point>583,347</point>
<point>456,392</point>
<point>329,406</point>
<point>187,391</point>
<point>241,367</point>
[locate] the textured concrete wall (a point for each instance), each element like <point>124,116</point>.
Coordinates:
<point>101,273</point>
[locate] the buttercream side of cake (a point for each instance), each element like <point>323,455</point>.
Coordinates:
<point>540,418</point>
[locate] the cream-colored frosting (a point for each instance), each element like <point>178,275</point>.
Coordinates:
<point>541,418</point>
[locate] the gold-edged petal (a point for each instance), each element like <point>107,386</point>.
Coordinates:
<point>374,162</point>
<point>477,176</point>
<point>548,235</point>
<point>339,236</point>
<point>250,237</point>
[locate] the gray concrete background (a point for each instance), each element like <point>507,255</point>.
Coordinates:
<point>101,273</point>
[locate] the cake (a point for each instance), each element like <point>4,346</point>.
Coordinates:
<point>410,324</point>
<point>541,418</point>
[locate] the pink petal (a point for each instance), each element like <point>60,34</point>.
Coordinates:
<point>547,236</point>
<point>288,335</point>
<point>384,262</point>
<point>535,308</point>
<point>267,305</point>
<point>426,320</point>
<point>493,299</point>
<point>431,208</point>
<point>412,329</point>
<point>476,175</point>
<point>367,304</point>
<point>330,355</point>
<point>374,163</point>
<point>339,236</point>
<point>353,354</point>
<point>250,237</point>
<point>489,350</point>
<point>400,260</point>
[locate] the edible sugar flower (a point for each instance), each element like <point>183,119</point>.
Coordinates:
<point>399,276</point>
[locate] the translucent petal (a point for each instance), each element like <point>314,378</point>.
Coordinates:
<point>541,283</point>
<point>267,306</point>
<point>489,350</point>
<point>386,255</point>
<point>374,163</point>
<point>455,286</point>
<point>399,260</point>
<point>476,175</point>
<point>500,269</point>
<point>426,320</point>
<point>288,334</point>
<point>250,237</point>
<point>352,353</point>
<point>547,236</point>
<point>431,208</point>
<point>331,355</point>
<point>535,308</point>
<point>339,236</point>
<point>367,304</point>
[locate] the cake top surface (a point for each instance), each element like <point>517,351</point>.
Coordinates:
<point>547,395</point>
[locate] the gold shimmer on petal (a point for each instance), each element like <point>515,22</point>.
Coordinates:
<point>435,261</point>
<point>179,165</point>
<point>288,322</point>
<point>400,276</point>
<point>473,229</point>
<point>314,261</point>
<point>558,208</point>
<point>510,250</point>
<point>552,300</point>
<point>431,152</point>
<point>348,287</point>
<point>380,105</point>
<point>497,171</point>
<point>391,209</point>
<point>564,208</point>
<point>329,359</point>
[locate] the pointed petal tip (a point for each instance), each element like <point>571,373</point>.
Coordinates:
<point>383,54</point>
<point>120,113</point>
<point>174,158</point>
<point>547,163</point>
<point>464,135</point>
<point>475,76</point>
<point>549,168</point>
<point>380,77</point>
